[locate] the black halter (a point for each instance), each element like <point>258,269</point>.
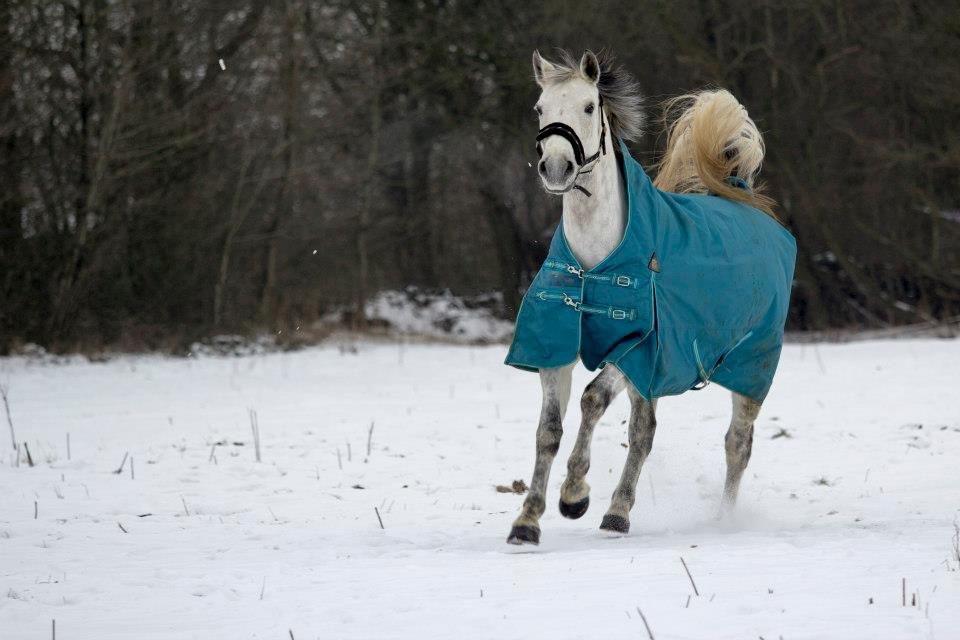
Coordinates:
<point>567,132</point>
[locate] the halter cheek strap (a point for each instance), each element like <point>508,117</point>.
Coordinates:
<point>566,131</point>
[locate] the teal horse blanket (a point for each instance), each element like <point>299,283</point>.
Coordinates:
<point>697,292</point>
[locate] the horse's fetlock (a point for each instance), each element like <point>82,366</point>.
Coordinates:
<point>574,490</point>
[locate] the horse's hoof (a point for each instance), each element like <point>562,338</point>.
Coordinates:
<point>575,510</point>
<point>524,534</point>
<point>617,524</point>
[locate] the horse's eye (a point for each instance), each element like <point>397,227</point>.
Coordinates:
<point>589,109</point>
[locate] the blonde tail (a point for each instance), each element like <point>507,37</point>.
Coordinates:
<point>710,140</point>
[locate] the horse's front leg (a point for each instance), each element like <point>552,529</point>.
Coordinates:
<point>643,425</point>
<point>556,394</point>
<point>575,492</point>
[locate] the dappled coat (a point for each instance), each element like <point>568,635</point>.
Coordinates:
<point>697,291</point>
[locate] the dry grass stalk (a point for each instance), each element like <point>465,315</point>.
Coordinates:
<point>692,583</point>
<point>956,543</point>
<point>645,624</point>
<point>255,426</point>
<point>6,406</point>
<point>122,463</point>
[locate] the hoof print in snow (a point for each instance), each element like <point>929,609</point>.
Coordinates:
<point>524,534</point>
<point>575,510</point>
<point>615,524</point>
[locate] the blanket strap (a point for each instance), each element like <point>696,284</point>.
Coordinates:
<point>704,376</point>
<point>615,279</point>
<point>613,313</point>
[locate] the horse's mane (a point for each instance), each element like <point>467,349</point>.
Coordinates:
<point>620,91</point>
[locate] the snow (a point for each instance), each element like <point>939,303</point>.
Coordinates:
<point>439,315</point>
<point>863,494</point>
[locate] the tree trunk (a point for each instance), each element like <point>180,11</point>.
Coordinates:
<point>370,186</point>
<point>284,201</point>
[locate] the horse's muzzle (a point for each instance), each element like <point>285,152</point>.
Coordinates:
<point>556,172</point>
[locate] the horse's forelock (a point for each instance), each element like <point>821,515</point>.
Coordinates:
<point>620,91</point>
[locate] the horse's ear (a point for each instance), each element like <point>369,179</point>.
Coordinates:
<point>590,66</point>
<point>541,67</point>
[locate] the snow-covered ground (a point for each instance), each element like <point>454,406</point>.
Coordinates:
<point>204,542</point>
<point>440,315</point>
<point>436,314</point>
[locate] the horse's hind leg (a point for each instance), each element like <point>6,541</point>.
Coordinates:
<point>643,425</point>
<point>556,395</point>
<point>575,492</point>
<point>739,443</point>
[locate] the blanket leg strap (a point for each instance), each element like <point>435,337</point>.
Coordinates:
<point>704,376</point>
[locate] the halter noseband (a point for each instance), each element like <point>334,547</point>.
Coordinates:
<point>566,131</point>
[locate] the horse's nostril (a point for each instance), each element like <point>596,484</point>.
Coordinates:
<point>569,167</point>
<point>542,167</point>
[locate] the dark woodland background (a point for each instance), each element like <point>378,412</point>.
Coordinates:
<point>149,197</point>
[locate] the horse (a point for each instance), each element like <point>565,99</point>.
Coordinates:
<point>664,285</point>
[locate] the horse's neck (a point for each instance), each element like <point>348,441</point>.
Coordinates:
<point>594,226</point>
